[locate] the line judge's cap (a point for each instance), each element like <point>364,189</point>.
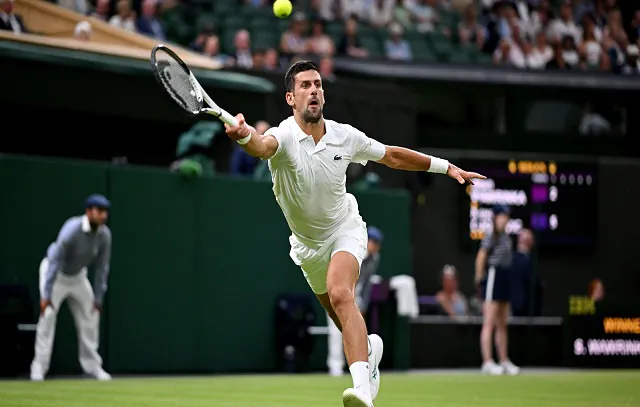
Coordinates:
<point>375,234</point>
<point>97,201</point>
<point>499,209</point>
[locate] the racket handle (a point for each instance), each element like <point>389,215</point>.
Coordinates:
<point>227,118</point>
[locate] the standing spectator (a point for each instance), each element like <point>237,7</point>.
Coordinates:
<point>243,56</point>
<point>292,41</point>
<point>125,17</point>
<point>148,23</point>
<point>380,13</point>
<point>469,30</point>
<point>320,43</point>
<point>63,274</point>
<point>451,300</point>
<point>350,44</point>
<point>396,47</point>
<point>9,21</point>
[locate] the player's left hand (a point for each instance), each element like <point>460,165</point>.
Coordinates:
<point>463,176</point>
<point>97,307</point>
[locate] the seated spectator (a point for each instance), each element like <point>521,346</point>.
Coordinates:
<point>125,17</point>
<point>79,6</point>
<point>396,47</point>
<point>320,43</point>
<point>9,21</point>
<point>212,50</point>
<point>570,51</point>
<point>509,53</point>
<point>82,32</point>
<point>326,69</point>
<point>148,23</point>
<point>469,30</point>
<point>293,41</point>
<point>241,162</point>
<point>208,29</point>
<point>243,55</point>
<point>271,60</point>
<point>352,8</point>
<point>541,53</point>
<point>402,15</point>
<point>258,60</point>
<point>631,66</point>
<point>452,301</point>
<point>350,44</point>
<point>425,15</point>
<point>380,13</point>
<point>102,10</point>
<point>563,26</point>
<point>558,62</point>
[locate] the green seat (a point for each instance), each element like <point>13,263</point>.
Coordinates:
<point>335,31</point>
<point>204,19</point>
<point>421,50</point>
<point>264,40</point>
<point>260,25</point>
<point>440,44</point>
<point>372,45</point>
<point>459,56</point>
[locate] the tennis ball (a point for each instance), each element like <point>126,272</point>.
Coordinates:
<point>282,8</point>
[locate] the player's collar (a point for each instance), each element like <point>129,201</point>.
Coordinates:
<point>301,135</point>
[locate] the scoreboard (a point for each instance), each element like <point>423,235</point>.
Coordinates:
<point>556,199</point>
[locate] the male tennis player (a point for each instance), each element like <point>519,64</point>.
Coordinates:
<point>63,274</point>
<point>308,158</point>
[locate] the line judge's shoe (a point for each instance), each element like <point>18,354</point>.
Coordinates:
<point>101,375</point>
<point>375,356</point>
<point>492,368</point>
<point>510,368</point>
<point>37,373</point>
<point>352,398</point>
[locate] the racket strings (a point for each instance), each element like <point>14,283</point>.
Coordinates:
<point>177,82</point>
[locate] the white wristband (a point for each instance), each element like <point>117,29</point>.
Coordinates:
<point>438,165</point>
<point>246,140</point>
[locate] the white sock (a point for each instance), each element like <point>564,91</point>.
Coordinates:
<point>360,375</point>
<point>368,345</point>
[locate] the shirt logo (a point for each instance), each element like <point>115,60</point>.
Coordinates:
<point>337,157</point>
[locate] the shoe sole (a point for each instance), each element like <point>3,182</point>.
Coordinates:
<point>351,400</point>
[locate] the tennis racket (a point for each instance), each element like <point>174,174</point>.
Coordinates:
<point>182,86</point>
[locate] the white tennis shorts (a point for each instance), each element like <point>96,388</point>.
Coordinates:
<point>351,237</point>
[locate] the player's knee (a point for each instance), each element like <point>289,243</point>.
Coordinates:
<point>340,296</point>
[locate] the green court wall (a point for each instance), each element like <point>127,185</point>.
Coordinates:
<point>196,267</point>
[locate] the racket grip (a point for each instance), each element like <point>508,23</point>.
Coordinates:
<point>227,118</point>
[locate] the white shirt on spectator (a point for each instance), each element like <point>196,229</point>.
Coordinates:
<point>425,15</point>
<point>12,21</point>
<point>398,51</point>
<point>594,51</point>
<point>380,16</point>
<point>350,7</point>
<point>516,57</point>
<point>128,24</point>
<point>558,29</point>
<point>538,59</point>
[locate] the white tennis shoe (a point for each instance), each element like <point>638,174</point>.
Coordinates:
<point>375,356</point>
<point>353,398</point>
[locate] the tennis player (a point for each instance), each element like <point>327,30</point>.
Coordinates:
<point>308,158</point>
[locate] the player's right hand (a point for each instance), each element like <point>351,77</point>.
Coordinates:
<point>43,305</point>
<point>240,131</point>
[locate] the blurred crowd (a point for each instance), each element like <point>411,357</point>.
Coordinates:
<point>528,34</point>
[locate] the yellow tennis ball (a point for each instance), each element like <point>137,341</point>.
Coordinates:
<point>282,8</point>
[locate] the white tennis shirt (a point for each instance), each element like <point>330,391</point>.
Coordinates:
<point>309,179</point>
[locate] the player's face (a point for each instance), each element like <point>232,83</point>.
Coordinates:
<point>307,98</point>
<point>97,216</point>
<point>501,222</point>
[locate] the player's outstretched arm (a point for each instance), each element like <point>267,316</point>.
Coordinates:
<point>409,160</point>
<point>253,143</point>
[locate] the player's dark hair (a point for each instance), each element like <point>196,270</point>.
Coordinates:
<point>296,68</point>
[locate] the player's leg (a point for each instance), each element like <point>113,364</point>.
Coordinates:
<point>46,328</point>
<point>342,275</point>
<point>502,339</point>
<point>489,366</point>
<point>87,320</point>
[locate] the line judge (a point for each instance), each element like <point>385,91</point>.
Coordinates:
<point>82,240</point>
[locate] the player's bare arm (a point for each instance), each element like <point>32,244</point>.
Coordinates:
<point>481,260</point>
<point>401,158</point>
<point>254,144</point>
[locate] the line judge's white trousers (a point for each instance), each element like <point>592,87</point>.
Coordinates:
<point>78,291</point>
<point>335,357</point>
